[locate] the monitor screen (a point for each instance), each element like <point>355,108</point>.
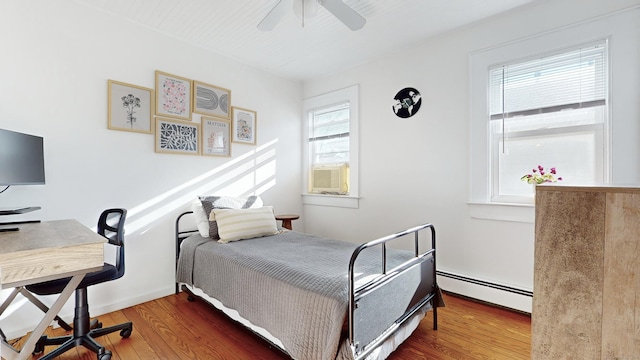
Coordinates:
<point>21,159</point>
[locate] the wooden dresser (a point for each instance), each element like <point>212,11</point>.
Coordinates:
<point>586,296</point>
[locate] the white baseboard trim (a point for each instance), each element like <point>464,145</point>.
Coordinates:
<point>514,300</point>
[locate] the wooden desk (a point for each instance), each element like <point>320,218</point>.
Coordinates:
<point>41,252</point>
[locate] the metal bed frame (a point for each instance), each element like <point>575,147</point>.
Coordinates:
<point>419,272</point>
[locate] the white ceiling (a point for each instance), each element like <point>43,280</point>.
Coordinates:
<point>323,46</point>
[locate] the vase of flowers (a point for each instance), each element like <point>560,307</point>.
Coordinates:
<point>539,175</point>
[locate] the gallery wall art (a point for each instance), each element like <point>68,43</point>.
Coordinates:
<point>130,107</point>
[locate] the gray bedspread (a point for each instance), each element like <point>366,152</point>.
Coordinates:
<point>294,285</point>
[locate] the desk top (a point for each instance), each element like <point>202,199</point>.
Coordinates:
<point>48,250</point>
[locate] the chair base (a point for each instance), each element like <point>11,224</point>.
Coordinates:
<point>83,334</point>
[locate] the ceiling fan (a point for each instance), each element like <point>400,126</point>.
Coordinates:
<point>338,8</point>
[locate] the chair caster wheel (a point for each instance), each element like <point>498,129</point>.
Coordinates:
<point>95,324</point>
<point>125,333</point>
<point>106,355</point>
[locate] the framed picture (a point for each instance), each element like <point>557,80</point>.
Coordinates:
<point>173,96</point>
<point>216,136</point>
<point>211,100</point>
<point>177,137</point>
<point>244,125</point>
<point>130,107</point>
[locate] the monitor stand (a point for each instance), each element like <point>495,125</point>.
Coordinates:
<point>16,211</point>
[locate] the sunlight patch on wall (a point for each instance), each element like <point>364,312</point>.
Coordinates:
<point>240,176</point>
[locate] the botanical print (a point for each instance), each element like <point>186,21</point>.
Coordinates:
<point>211,100</point>
<point>173,95</point>
<point>130,107</point>
<point>177,137</point>
<point>244,131</point>
<point>244,125</point>
<point>130,103</point>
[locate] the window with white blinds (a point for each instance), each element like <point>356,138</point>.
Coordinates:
<point>330,148</point>
<point>329,135</point>
<point>550,111</point>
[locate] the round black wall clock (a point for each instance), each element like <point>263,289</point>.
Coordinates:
<point>407,102</point>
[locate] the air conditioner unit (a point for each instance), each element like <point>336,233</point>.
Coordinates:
<point>330,179</point>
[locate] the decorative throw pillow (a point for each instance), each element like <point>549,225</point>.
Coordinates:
<point>238,224</point>
<point>210,202</point>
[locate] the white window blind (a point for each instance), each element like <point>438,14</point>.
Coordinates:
<point>549,111</point>
<point>572,79</point>
<point>329,134</point>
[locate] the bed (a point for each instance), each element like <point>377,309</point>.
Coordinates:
<point>314,298</point>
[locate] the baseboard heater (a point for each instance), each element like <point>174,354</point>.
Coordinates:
<point>486,283</point>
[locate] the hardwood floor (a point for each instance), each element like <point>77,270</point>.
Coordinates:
<point>175,328</point>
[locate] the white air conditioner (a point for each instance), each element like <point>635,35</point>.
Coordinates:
<point>330,179</point>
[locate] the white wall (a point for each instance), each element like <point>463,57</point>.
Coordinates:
<point>56,57</point>
<point>417,170</point>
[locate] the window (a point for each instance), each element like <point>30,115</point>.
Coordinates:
<point>330,146</point>
<point>548,110</point>
<point>329,134</point>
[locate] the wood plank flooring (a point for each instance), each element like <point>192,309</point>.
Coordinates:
<point>174,328</point>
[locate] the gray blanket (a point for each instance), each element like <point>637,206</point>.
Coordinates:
<point>294,285</point>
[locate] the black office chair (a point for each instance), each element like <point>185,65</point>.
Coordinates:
<point>111,226</point>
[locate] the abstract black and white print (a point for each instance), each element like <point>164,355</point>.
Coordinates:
<point>211,100</point>
<point>177,137</point>
<point>206,99</point>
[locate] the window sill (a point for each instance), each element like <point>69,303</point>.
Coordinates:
<point>524,213</point>
<point>344,201</point>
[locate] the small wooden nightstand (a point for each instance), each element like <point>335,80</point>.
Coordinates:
<point>286,220</point>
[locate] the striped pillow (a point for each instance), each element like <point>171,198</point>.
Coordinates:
<point>208,202</point>
<point>238,224</point>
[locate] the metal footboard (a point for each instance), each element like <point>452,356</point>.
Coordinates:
<point>412,285</point>
<point>180,236</point>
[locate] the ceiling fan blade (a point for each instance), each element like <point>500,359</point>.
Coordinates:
<point>344,13</point>
<point>275,15</point>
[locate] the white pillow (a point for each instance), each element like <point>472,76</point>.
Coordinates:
<point>201,218</point>
<point>238,224</point>
<point>231,202</point>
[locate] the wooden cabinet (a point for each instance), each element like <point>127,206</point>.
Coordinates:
<point>586,296</point>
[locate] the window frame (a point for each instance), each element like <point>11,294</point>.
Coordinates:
<point>480,204</point>
<point>350,95</point>
<point>595,50</point>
